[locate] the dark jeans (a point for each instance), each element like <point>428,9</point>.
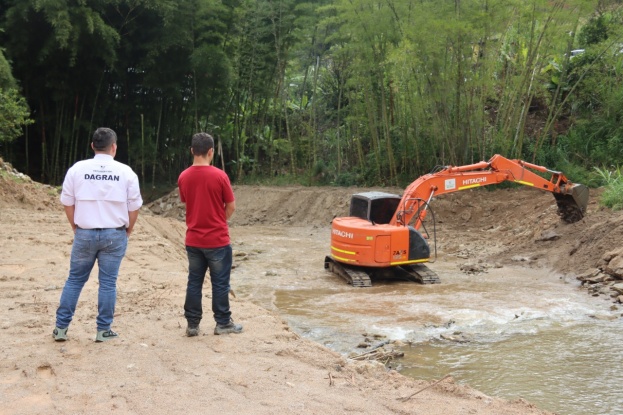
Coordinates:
<point>218,261</point>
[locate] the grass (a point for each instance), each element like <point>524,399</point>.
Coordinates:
<point>612,196</point>
<point>10,176</point>
<point>54,190</point>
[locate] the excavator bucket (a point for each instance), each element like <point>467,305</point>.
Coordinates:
<point>572,203</point>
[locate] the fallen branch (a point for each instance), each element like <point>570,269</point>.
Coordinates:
<point>423,389</point>
<point>378,354</point>
<point>379,344</point>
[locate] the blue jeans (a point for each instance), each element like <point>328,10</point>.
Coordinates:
<point>108,247</point>
<point>218,261</point>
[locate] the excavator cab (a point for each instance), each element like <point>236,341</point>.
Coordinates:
<point>376,207</point>
<point>379,208</point>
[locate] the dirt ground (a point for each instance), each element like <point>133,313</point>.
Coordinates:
<point>268,369</point>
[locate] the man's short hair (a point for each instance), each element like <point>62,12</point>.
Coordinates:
<point>202,143</point>
<point>103,138</point>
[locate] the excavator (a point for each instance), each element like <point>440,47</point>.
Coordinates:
<point>381,237</point>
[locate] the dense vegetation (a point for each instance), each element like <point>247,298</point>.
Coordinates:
<point>325,91</point>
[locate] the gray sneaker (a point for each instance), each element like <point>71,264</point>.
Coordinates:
<point>104,335</point>
<point>60,335</point>
<point>230,327</point>
<point>192,331</point>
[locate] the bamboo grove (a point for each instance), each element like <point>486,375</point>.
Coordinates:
<point>327,91</point>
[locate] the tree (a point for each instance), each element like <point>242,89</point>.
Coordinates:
<point>14,114</point>
<point>14,111</point>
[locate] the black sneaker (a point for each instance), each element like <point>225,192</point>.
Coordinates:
<point>230,327</point>
<point>192,331</point>
<point>104,335</point>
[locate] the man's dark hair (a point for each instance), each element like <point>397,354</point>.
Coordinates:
<point>202,143</point>
<point>103,138</point>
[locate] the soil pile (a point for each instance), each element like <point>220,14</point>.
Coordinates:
<point>19,189</point>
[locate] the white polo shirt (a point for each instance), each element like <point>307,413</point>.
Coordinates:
<point>103,191</point>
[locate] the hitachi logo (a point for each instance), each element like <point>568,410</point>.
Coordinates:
<point>477,180</point>
<point>343,234</point>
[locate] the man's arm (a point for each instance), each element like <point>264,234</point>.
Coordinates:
<point>229,209</point>
<point>69,212</point>
<point>133,217</point>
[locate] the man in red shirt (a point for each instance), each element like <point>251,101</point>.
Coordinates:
<point>210,202</point>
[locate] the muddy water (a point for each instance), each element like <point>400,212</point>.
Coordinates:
<point>518,332</point>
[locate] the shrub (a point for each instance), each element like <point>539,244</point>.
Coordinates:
<point>612,196</point>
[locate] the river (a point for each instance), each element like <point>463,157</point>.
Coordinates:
<point>513,332</point>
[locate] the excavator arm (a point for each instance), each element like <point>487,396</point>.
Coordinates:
<point>571,198</point>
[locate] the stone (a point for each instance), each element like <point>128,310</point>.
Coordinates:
<point>615,267</point>
<point>548,236</point>
<point>618,287</point>
<point>588,274</point>
<point>471,268</point>
<point>597,278</point>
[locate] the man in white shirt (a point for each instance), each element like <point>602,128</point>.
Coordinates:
<point>101,198</point>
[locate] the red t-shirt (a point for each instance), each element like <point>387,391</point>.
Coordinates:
<point>205,190</point>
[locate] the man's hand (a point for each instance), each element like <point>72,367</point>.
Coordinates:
<point>69,212</point>
<point>133,217</point>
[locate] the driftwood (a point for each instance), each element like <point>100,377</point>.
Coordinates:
<point>377,352</point>
<point>423,389</point>
<point>379,344</point>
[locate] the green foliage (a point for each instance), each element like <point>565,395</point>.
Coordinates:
<point>14,114</point>
<point>320,173</point>
<point>594,31</point>
<point>327,92</point>
<point>561,158</point>
<point>275,180</point>
<point>6,76</point>
<point>347,179</point>
<point>612,196</point>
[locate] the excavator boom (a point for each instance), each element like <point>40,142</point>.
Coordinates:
<point>381,236</point>
<point>572,199</point>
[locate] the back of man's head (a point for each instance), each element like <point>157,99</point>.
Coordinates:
<point>202,143</point>
<point>103,138</point>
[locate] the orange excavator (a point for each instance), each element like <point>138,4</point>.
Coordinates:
<point>381,237</point>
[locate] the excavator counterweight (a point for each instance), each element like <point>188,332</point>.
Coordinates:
<point>381,236</point>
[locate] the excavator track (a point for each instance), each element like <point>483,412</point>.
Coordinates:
<point>353,276</point>
<point>420,273</point>
<point>360,277</point>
